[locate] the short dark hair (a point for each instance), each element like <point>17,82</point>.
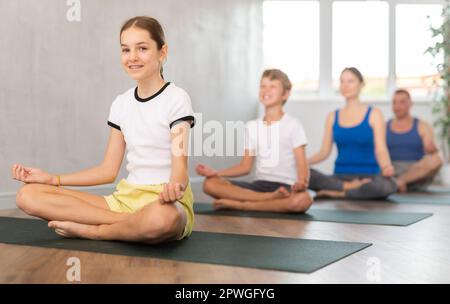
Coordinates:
<point>403,91</point>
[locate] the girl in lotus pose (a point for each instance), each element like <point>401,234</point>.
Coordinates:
<point>152,122</point>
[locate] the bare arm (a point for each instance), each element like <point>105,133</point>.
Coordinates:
<point>179,158</point>
<point>243,168</point>
<point>106,172</point>
<point>327,143</point>
<point>179,177</point>
<point>302,168</point>
<point>426,133</point>
<point>381,151</point>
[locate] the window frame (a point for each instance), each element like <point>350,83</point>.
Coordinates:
<point>325,91</point>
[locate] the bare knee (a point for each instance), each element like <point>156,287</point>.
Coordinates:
<point>300,202</point>
<point>431,162</point>
<point>161,224</point>
<point>435,162</point>
<point>210,185</point>
<point>25,198</point>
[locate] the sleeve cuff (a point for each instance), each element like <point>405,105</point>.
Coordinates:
<point>189,118</point>
<point>112,125</point>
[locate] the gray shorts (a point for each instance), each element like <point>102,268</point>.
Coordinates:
<point>401,167</point>
<point>260,185</point>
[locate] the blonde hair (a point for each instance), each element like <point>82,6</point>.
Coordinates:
<point>276,74</point>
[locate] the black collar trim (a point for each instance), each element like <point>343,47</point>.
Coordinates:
<point>151,97</point>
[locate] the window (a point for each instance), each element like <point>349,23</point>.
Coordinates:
<point>361,40</point>
<point>313,41</point>
<point>415,70</point>
<point>291,42</point>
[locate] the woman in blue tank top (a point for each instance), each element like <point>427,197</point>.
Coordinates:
<point>363,168</point>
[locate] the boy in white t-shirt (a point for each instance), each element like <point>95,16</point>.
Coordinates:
<point>277,142</point>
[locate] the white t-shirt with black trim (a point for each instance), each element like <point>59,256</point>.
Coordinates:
<point>273,145</point>
<point>145,125</point>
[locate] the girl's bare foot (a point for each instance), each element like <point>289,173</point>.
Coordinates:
<point>222,204</point>
<point>75,230</point>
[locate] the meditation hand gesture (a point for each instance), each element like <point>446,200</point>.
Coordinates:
<point>30,175</point>
<point>205,171</point>
<point>171,193</point>
<point>299,186</point>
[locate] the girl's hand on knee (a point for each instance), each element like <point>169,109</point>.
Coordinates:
<point>205,171</point>
<point>171,193</point>
<point>30,175</point>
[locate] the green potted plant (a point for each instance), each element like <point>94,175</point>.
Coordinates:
<point>441,107</point>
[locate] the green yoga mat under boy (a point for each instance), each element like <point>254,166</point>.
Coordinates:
<point>323,215</point>
<point>284,254</point>
<point>420,198</point>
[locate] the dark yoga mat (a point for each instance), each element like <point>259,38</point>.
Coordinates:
<point>438,190</point>
<point>420,198</point>
<point>284,254</point>
<point>322,215</point>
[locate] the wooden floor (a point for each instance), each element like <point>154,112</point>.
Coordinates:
<point>419,253</point>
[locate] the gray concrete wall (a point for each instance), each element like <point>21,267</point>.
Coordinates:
<point>58,78</point>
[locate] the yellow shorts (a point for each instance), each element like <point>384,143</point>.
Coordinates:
<point>130,198</point>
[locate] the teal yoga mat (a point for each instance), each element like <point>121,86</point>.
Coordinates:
<point>438,190</point>
<point>324,215</point>
<point>284,254</point>
<point>420,198</point>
